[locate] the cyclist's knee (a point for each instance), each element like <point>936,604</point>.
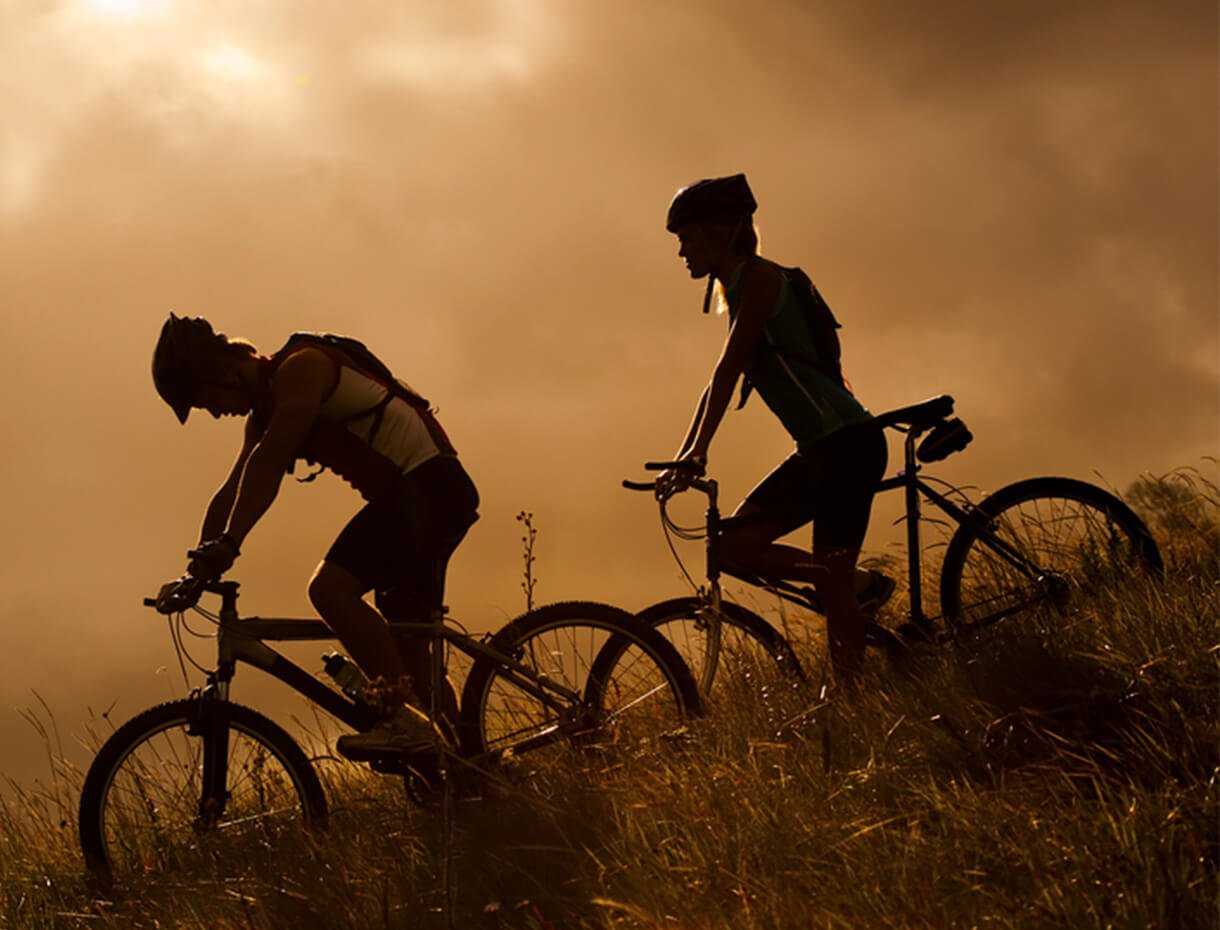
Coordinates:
<point>332,584</point>
<point>747,533</point>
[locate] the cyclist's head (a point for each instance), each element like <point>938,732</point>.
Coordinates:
<point>190,356</point>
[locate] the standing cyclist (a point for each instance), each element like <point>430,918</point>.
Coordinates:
<point>328,400</point>
<point>782,339</point>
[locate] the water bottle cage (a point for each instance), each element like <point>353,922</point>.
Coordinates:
<point>946,438</point>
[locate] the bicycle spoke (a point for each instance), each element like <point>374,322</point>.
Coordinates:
<point>1047,543</point>
<point>614,681</point>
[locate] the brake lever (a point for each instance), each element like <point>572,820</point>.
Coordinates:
<point>177,595</point>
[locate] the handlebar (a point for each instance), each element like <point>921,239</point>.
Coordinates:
<point>182,593</point>
<point>639,485</point>
<point>696,481</point>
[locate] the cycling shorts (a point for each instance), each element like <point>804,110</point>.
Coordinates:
<point>399,544</point>
<point>831,483</point>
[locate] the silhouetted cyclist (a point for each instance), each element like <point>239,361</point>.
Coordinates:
<point>782,340</point>
<point>327,400</point>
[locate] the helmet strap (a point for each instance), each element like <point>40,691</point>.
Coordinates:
<point>707,294</point>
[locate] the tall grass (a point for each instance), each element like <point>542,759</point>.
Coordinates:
<point>1046,775</point>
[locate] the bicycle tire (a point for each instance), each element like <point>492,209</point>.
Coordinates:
<point>566,643</point>
<point>142,807</point>
<point>1079,536</point>
<point>747,641</point>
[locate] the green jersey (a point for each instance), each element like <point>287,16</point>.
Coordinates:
<point>789,367</point>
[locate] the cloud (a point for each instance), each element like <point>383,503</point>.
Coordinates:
<point>1013,203</point>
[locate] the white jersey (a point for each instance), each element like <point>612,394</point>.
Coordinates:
<point>402,436</point>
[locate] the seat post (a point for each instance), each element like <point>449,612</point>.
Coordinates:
<point>436,657</point>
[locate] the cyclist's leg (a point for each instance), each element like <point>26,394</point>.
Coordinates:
<point>782,502</point>
<point>849,468</point>
<point>336,590</point>
<point>435,505</point>
<point>834,486</point>
<point>779,504</point>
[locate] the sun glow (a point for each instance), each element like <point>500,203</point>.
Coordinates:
<point>230,62</point>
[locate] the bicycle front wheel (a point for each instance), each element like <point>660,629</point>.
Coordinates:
<point>1043,542</point>
<point>735,645</point>
<point>576,669</point>
<point>188,781</point>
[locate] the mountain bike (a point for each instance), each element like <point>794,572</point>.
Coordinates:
<point>184,780</point>
<point>1040,543</point>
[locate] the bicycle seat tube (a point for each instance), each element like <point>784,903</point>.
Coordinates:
<point>908,480</point>
<point>711,488</point>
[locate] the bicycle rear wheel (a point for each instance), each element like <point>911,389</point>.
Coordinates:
<point>738,644</point>
<point>1043,542</point>
<point>184,782</point>
<point>586,669</point>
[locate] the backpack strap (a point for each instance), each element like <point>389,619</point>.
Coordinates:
<point>821,324</point>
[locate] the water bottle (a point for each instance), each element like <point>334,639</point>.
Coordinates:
<point>346,674</point>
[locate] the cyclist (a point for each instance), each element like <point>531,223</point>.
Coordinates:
<point>782,341</point>
<point>320,399</point>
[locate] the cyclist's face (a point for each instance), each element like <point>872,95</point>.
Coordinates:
<point>704,247</point>
<point>222,400</point>
<point>222,394</point>
<point>693,248</point>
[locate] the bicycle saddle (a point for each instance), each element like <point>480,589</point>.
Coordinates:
<point>922,415</point>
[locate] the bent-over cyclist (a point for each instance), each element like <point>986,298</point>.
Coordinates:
<point>328,400</point>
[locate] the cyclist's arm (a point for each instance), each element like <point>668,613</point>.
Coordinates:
<point>760,290</point>
<point>694,426</point>
<point>301,385</point>
<point>217,514</point>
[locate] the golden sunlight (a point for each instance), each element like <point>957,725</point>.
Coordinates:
<point>230,62</point>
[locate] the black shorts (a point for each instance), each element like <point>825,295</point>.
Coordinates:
<point>832,483</point>
<point>399,544</point>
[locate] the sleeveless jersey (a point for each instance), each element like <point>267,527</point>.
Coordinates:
<point>367,438</point>
<point>789,373</point>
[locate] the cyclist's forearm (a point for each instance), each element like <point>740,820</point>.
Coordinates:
<point>694,426</point>
<point>716,402</point>
<point>260,483</point>
<point>217,514</point>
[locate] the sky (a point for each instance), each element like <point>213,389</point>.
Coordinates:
<point>1015,203</point>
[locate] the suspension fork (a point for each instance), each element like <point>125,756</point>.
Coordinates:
<point>215,788</point>
<point>211,722</point>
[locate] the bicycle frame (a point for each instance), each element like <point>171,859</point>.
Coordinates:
<point>243,640</point>
<point>913,487</point>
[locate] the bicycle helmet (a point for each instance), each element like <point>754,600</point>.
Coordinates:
<point>728,198</point>
<point>183,344</point>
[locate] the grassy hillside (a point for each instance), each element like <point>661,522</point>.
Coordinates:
<point>1042,777</point>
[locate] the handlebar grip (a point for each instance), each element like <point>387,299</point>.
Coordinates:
<point>150,602</point>
<point>639,485</point>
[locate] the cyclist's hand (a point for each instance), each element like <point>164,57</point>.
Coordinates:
<point>213,558</point>
<point>677,479</point>
<point>179,594</point>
